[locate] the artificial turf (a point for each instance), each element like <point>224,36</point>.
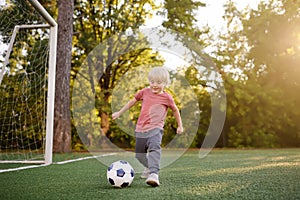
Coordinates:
<point>268,174</point>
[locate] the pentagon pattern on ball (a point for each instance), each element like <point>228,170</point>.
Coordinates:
<point>120,172</point>
<point>123,162</point>
<point>110,167</point>
<point>111,181</point>
<point>132,173</point>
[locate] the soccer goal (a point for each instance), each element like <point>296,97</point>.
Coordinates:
<point>28,37</point>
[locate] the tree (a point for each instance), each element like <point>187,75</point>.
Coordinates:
<point>273,32</point>
<point>259,72</point>
<point>99,23</point>
<point>62,115</point>
<point>181,17</point>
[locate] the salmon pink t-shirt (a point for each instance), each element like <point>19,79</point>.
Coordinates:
<point>154,109</point>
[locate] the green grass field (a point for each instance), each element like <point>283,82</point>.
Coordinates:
<point>223,174</point>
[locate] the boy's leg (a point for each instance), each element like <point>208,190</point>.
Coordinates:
<point>141,150</point>
<point>154,147</point>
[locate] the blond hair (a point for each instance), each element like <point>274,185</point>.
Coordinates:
<point>159,74</point>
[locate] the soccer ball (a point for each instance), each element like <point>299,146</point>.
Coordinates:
<point>120,174</point>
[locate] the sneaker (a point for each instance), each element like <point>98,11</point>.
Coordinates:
<point>153,180</point>
<point>145,173</point>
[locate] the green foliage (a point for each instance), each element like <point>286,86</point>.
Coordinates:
<point>22,99</point>
<point>250,62</point>
<point>96,24</point>
<point>260,61</point>
<point>18,12</point>
<point>23,88</point>
<point>99,48</point>
<point>257,55</point>
<point>181,17</point>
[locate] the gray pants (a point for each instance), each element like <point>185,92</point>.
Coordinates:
<point>149,142</point>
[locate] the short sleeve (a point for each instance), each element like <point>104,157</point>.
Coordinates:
<point>172,104</point>
<point>139,95</point>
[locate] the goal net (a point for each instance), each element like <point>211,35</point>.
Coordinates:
<point>27,74</point>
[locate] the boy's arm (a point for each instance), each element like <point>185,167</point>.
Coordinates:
<point>126,107</point>
<point>177,116</point>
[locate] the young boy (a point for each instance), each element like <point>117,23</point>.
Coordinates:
<point>150,124</point>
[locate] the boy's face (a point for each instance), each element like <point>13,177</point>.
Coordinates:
<point>156,86</point>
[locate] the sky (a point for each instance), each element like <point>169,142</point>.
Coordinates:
<point>210,15</point>
<point>213,12</point>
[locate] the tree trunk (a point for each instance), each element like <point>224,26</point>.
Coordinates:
<point>62,115</point>
<point>104,142</point>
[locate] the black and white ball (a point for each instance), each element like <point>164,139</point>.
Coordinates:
<point>120,174</point>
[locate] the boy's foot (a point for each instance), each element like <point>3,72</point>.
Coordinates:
<point>145,173</point>
<point>153,180</point>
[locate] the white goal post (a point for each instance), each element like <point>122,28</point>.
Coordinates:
<point>46,87</point>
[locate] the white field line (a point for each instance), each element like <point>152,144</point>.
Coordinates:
<point>56,163</point>
<point>84,158</point>
<point>21,168</point>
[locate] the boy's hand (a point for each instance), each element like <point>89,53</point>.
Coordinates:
<point>179,130</point>
<point>115,115</point>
